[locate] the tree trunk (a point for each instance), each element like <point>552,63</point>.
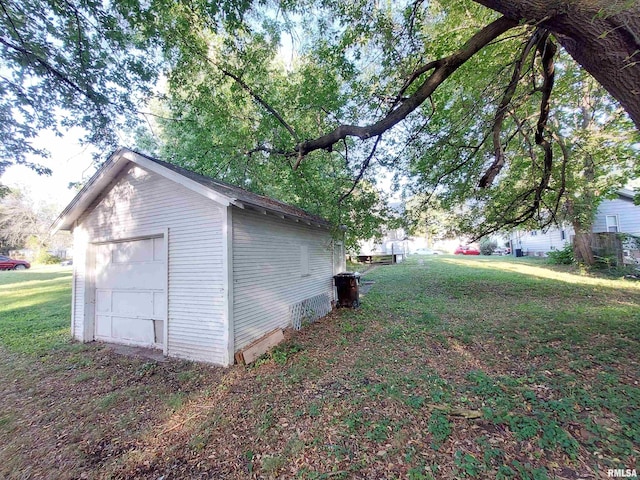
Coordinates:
<point>602,36</point>
<point>582,247</point>
<point>582,252</point>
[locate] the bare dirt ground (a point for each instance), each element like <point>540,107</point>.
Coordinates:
<point>437,376</point>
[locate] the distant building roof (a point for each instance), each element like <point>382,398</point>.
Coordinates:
<point>626,193</point>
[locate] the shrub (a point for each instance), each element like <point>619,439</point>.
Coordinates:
<point>45,258</point>
<point>282,352</point>
<point>487,247</point>
<point>562,257</point>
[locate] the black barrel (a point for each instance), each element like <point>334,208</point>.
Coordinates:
<point>348,288</point>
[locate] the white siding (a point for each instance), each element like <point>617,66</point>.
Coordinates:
<point>268,271</point>
<point>79,275</point>
<point>541,241</point>
<point>140,203</point>
<point>628,216</point>
<point>627,213</point>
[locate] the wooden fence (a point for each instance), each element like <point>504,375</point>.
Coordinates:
<point>607,247</point>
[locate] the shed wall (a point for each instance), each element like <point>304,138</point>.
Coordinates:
<point>269,271</point>
<point>80,244</point>
<point>139,203</point>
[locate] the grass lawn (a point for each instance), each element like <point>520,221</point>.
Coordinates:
<point>454,367</point>
<point>35,308</point>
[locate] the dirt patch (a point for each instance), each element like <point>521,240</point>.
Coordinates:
<point>425,380</point>
<point>136,352</point>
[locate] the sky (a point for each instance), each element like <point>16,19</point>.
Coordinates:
<point>69,161</point>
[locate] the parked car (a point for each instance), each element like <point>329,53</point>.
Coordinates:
<point>427,251</point>
<point>466,250</point>
<point>7,263</point>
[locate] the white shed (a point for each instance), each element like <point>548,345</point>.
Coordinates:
<point>166,258</point>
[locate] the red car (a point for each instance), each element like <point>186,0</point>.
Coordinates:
<point>466,250</point>
<point>7,263</point>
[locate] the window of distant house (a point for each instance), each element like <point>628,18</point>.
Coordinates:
<point>612,223</point>
<point>563,235</point>
<point>534,233</point>
<point>304,261</point>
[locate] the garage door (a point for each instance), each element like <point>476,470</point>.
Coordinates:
<point>131,300</point>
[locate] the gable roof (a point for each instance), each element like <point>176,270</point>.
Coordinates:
<point>220,192</point>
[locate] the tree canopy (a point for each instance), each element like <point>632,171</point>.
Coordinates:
<point>451,94</point>
<point>25,224</point>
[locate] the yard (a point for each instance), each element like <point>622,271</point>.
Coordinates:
<point>453,368</point>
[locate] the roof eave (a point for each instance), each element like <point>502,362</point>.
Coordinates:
<point>103,176</point>
<point>180,179</point>
<point>109,171</point>
<point>123,156</point>
<point>285,216</point>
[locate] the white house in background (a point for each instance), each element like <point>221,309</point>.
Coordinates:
<point>618,215</point>
<point>393,241</point>
<point>166,258</point>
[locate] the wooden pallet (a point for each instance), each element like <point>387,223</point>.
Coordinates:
<point>255,350</point>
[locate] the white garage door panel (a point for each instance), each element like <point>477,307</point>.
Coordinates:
<point>158,249</point>
<point>103,301</point>
<point>103,327</point>
<point>136,304</point>
<point>140,330</point>
<point>133,276</point>
<point>133,251</point>
<point>159,305</point>
<point>130,291</point>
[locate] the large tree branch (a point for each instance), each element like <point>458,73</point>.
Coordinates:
<point>501,112</point>
<point>547,50</point>
<point>417,73</point>
<point>534,195</point>
<point>442,69</point>
<point>602,36</point>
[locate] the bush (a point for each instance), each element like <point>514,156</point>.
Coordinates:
<point>487,247</point>
<point>562,257</point>
<point>45,258</point>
